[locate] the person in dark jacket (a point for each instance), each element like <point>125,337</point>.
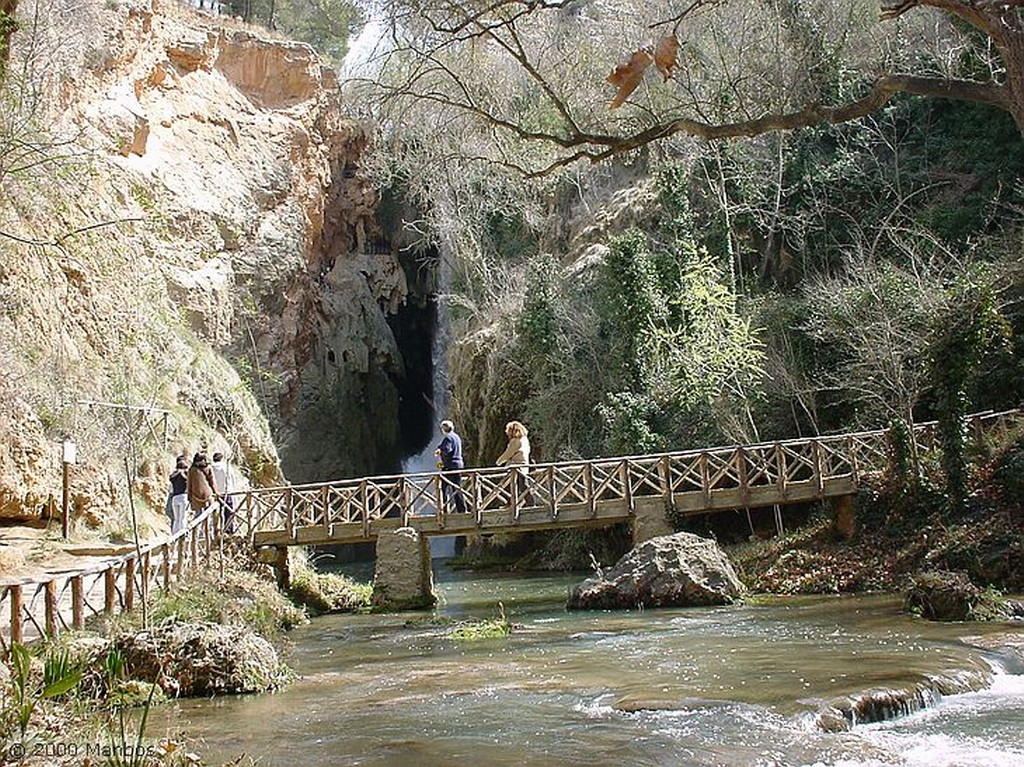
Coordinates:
<point>449,450</point>
<point>179,495</point>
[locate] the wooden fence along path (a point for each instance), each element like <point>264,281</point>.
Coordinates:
<point>572,494</point>
<point>33,608</point>
<point>580,493</point>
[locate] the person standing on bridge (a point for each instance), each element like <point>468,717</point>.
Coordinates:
<point>517,455</point>
<point>449,450</point>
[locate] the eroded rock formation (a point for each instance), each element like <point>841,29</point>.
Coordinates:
<point>209,248</point>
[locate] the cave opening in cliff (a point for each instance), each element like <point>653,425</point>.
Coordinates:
<point>415,331</point>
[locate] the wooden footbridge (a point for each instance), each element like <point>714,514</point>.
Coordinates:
<point>641,490</point>
<point>579,493</point>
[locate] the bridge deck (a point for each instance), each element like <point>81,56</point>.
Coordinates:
<point>582,493</point>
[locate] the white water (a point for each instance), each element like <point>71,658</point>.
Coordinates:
<point>968,730</point>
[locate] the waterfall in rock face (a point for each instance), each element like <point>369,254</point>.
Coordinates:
<point>436,399</point>
<point>439,396</point>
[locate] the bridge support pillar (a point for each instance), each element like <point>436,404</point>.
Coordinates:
<point>649,519</point>
<point>402,579</point>
<point>844,515</point>
<point>277,558</point>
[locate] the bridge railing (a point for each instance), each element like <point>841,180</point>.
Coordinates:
<point>31,608</point>
<point>720,477</point>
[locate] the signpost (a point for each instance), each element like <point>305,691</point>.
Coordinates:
<point>69,456</point>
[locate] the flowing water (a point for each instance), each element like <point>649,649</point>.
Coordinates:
<point>726,686</point>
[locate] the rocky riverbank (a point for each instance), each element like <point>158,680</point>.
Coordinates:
<point>224,632</point>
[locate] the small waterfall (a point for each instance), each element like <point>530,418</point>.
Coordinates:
<point>439,397</point>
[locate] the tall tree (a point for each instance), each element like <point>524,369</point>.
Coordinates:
<point>527,83</point>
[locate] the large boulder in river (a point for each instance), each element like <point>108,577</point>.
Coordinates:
<point>669,571</point>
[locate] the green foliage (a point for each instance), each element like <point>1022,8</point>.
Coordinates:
<point>902,464</point>
<point>324,24</point>
<point>631,304</point>
<point>630,424</point>
<point>509,236</point>
<point>8,26</point>
<point>60,675</point>
<point>961,338</point>
<point>709,348</point>
<point>126,735</point>
<point>537,322</point>
<point>240,599</point>
<point>474,631</point>
<point>326,592</point>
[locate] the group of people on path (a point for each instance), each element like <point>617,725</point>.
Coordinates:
<point>194,487</point>
<point>451,461</point>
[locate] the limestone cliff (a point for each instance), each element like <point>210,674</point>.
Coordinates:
<point>192,234</point>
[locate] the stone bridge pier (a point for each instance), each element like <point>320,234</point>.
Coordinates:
<point>402,578</point>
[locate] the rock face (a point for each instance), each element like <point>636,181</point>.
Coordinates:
<point>677,570</point>
<point>211,250</point>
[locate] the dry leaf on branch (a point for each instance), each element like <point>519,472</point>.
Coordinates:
<point>628,76</point>
<point>665,54</point>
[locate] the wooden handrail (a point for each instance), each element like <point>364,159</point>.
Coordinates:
<point>779,472</point>
<point>31,608</point>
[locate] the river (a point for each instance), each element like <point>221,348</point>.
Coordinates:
<point>726,686</point>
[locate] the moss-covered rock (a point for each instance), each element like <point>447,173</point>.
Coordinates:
<point>951,596</point>
<point>194,659</point>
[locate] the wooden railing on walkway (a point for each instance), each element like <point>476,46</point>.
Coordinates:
<point>595,492</point>
<point>33,608</point>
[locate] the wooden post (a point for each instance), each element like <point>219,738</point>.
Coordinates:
<point>109,591</point>
<point>705,478</point>
<point>819,481</point>
<point>551,492</point>
<point>77,603</point>
<point>290,514</point>
<point>364,501</point>
<point>250,524</point>
<point>477,500</point>
<point>66,502</point>
<point>50,595</point>
<point>513,478</point>
<point>129,586</point>
<point>780,466</point>
<point>179,561</point>
<point>16,631</point>
<point>627,485</point>
<point>166,551</point>
<point>439,498</point>
<point>146,565</point>
<point>665,476</point>
<point>325,503</point>
<point>588,484</point>
<point>740,459</point>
